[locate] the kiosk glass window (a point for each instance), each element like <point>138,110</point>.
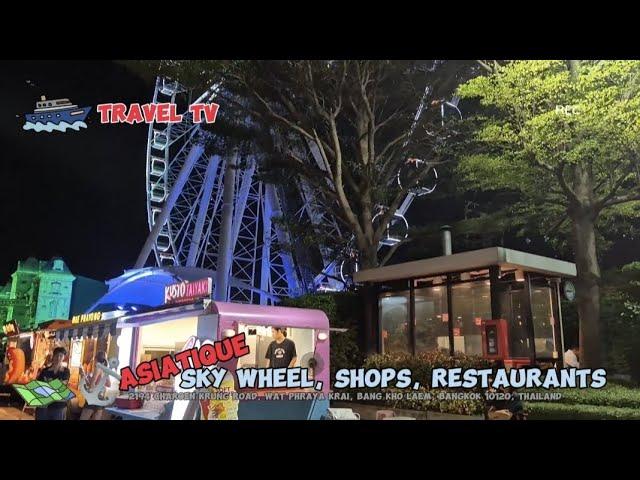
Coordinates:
<point>543,320</point>
<point>513,309</point>
<point>394,322</point>
<point>165,338</point>
<point>432,326</point>
<point>471,303</point>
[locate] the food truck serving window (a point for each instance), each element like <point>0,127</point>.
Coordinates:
<point>164,338</point>
<point>259,338</point>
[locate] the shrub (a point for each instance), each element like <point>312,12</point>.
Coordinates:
<point>613,402</point>
<point>610,396</point>
<point>421,366</point>
<point>562,411</point>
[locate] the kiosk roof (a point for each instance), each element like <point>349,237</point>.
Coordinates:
<point>475,259</point>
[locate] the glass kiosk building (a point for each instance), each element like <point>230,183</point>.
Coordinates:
<point>469,302</point>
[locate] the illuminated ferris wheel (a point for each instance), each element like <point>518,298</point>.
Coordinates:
<point>397,230</point>
<point>210,212</point>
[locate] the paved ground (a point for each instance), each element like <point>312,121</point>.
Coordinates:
<point>368,412</point>
<point>11,413</point>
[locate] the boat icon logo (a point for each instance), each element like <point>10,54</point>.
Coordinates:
<point>59,114</point>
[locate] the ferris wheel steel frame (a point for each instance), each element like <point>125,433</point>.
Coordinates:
<point>185,190</point>
<point>189,227</point>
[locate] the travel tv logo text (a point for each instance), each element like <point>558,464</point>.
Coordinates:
<point>155,112</point>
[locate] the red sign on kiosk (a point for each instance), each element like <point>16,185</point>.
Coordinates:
<point>495,343</point>
<point>187,292</point>
<point>495,340</point>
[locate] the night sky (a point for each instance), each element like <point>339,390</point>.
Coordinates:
<point>77,195</point>
<point>81,195</point>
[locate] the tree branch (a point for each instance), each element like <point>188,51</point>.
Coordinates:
<point>389,145</point>
<point>387,120</point>
<point>614,190</point>
<point>486,66</point>
<point>282,119</point>
<point>316,177</point>
<point>392,250</point>
<point>321,148</point>
<point>557,224</point>
<point>316,101</point>
<point>571,195</point>
<point>342,198</point>
<point>628,197</point>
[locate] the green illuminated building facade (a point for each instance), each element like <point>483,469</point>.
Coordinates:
<point>5,296</point>
<point>44,290</point>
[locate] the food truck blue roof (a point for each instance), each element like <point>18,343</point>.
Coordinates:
<point>145,286</point>
<point>503,257</point>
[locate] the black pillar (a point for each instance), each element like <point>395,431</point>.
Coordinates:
<point>529,312</point>
<point>450,314</point>
<point>557,313</point>
<point>412,318</point>
<point>494,279</point>
<point>369,336</point>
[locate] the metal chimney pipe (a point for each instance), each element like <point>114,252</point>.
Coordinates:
<point>446,239</point>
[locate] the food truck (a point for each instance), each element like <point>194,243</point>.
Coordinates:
<point>150,313</point>
<point>156,333</point>
<point>161,313</point>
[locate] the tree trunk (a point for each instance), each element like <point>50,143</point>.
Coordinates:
<point>369,256</point>
<point>587,288</point>
<point>368,335</point>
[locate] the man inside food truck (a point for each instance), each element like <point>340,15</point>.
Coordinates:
<point>282,351</point>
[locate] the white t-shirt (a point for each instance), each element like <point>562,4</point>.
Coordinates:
<point>570,359</point>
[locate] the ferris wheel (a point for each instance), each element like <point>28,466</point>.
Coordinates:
<point>397,230</point>
<point>211,212</point>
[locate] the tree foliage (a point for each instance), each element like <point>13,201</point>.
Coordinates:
<point>341,128</point>
<point>566,136</point>
<point>538,127</point>
<point>346,128</point>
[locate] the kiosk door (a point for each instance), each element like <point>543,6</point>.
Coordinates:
<point>513,309</point>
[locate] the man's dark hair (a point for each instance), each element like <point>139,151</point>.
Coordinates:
<point>58,350</point>
<point>281,329</point>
